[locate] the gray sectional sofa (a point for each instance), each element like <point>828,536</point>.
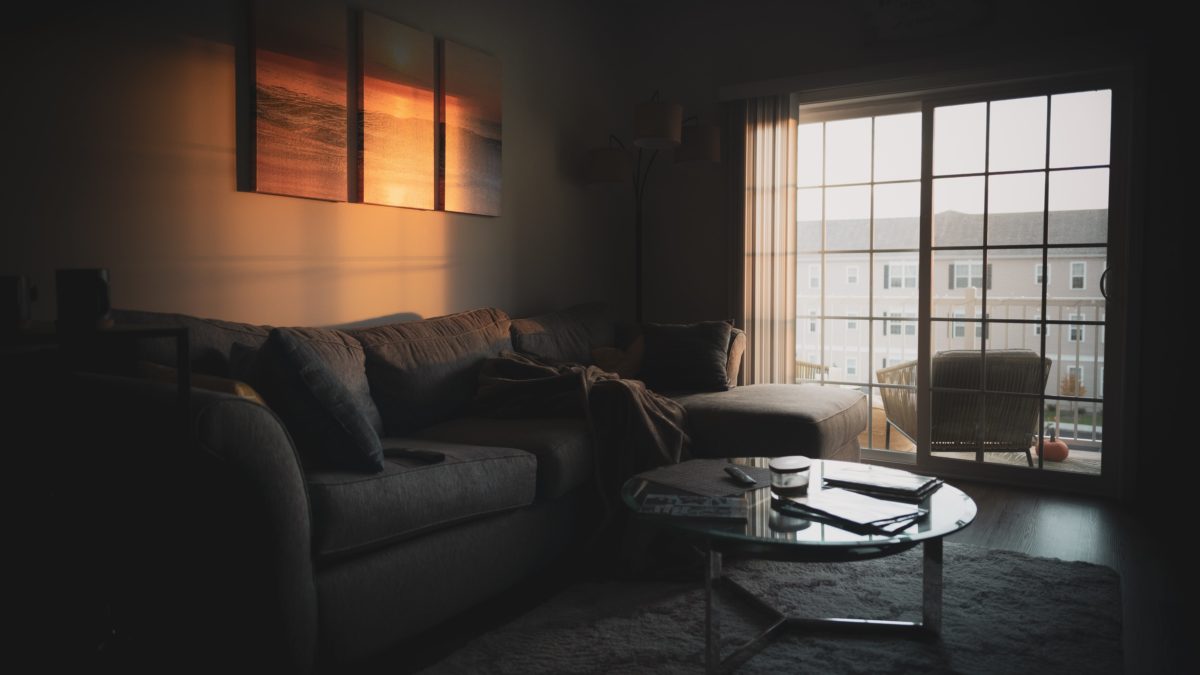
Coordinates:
<point>335,566</point>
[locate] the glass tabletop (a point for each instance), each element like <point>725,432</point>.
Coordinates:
<point>949,509</point>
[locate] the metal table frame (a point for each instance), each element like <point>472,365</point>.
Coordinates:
<point>929,627</point>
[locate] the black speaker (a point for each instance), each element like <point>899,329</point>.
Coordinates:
<point>83,302</point>
<point>16,294</point>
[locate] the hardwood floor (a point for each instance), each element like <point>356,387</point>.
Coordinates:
<point>1156,583</point>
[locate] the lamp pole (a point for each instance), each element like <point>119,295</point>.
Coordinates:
<point>640,176</point>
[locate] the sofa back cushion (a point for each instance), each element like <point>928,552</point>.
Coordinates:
<point>210,341</point>
<point>423,372</point>
<point>315,379</point>
<point>567,335</point>
<point>686,357</point>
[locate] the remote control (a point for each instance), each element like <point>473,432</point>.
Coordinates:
<point>740,476</point>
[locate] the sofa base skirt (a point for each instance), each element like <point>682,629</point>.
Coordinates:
<point>371,602</point>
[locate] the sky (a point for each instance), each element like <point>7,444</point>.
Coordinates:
<point>1079,136</point>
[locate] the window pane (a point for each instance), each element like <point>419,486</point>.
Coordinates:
<point>1016,203</point>
<point>848,156</point>
<point>1010,427</point>
<point>895,344</point>
<point>954,422</point>
<point>958,281</point>
<point>1080,128</point>
<point>847,218</point>
<point>1080,425</point>
<point>896,284</point>
<point>846,363</point>
<point>1079,207</point>
<point>1016,292</point>
<point>959,138</point>
<point>841,297</point>
<point>809,146</point>
<point>808,219</point>
<point>896,405</point>
<point>898,215</point>
<point>958,211</point>
<point>808,295</point>
<point>898,147</point>
<point>1013,362</point>
<point>1018,134</point>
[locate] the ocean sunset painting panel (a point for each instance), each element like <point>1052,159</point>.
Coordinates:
<point>472,126</point>
<point>397,109</point>
<point>300,100</point>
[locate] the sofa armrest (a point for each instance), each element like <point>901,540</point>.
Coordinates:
<point>235,494</point>
<point>737,349</point>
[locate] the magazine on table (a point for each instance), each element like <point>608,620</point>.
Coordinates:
<point>882,482</point>
<point>693,506</point>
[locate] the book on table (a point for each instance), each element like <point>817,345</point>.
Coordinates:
<point>693,506</point>
<point>882,481</point>
<point>854,509</point>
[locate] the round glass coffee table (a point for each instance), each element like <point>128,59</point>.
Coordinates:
<point>766,534</point>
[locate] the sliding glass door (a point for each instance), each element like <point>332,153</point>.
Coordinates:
<point>954,266</point>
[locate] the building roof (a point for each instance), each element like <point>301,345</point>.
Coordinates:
<point>953,228</point>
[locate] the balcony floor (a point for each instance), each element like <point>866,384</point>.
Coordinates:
<point>1078,461</point>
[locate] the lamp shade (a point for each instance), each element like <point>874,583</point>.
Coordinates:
<point>701,143</point>
<point>608,165</point>
<point>656,125</point>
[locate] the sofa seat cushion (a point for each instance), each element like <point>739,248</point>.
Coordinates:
<point>773,420</point>
<point>353,512</point>
<point>562,446</point>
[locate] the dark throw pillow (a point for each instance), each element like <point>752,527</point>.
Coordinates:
<point>325,417</point>
<point>686,357</point>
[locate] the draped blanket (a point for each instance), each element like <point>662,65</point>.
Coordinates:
<point>633,429</point>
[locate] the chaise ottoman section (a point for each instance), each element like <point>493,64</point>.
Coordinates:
<point>773,420</point>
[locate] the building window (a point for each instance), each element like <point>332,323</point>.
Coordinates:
<point>1037,275</point>
<point>852,276</point>
<point>970,275</point>
<point>892,327</point>
<point>852,323</point>
<point>812,321</point>
<point>958,329</point>
<point>814,276</point>
<point>1078,276</point>
<point>1037,327</point>
<point>899,275</point>
<point>981,326</point>
<point>851,365</point>
<point>1075,331</point>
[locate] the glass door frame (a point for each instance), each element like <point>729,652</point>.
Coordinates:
<point>1119,262</point>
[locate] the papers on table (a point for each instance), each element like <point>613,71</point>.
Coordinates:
<point>857,511</point>
<point>881,481</point>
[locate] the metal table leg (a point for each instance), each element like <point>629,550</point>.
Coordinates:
<point>931,596</point>
<point>712,618</point>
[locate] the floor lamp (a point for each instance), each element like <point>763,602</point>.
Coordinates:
<point>657,125</point>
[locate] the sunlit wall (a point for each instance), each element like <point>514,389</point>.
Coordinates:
<point>122,154</point>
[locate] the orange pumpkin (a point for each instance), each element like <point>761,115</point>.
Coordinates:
<point>1053,449</point>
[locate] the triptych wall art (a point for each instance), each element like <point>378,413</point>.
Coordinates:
<point>356,107</point>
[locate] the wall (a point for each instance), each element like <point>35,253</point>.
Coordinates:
<point>121,154</point>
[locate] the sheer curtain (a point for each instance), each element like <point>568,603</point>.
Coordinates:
<point>767,197</point>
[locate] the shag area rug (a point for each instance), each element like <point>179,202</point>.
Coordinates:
<point>1004,612</point>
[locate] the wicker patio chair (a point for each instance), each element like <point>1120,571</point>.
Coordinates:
<point>1008,424</point>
